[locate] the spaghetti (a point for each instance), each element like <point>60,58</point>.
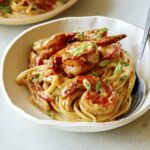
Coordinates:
<point>23,8</point>
<point>80,76</point>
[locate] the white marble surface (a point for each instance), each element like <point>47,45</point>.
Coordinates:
<point>17,133</point>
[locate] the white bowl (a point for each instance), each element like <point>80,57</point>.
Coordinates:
<point>37,18</point>
<point>15,60</point>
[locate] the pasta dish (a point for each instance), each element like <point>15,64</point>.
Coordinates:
<point>80,76</point>
<point>22,8</point>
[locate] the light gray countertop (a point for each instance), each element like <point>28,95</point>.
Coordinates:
<point>18,133</point>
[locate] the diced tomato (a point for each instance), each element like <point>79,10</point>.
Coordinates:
<point>36,88</point>
<point>45,97</point>
<point>43,4</point>
<point>105,101</point>
<point>33,86</point>
<point>38,61</point>
<point>40,87</point>
<point>1,1</point>
<point>114,52</point>
<point>47,5</point>
<point>55,66</point>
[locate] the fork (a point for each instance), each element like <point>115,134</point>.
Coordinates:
<point>139,87</point>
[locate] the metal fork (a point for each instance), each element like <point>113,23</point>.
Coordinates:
<point>139,87</point>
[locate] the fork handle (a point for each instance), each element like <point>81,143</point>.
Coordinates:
<point>144,41</point>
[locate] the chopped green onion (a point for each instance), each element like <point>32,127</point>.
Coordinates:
<point>36,45</point>
<point>98,36</point>
<point>118,68</point>
<point>107,80</point>
<point>124,77</point>
<point>126,63</point>
<point>125,51</point>
<point>94,74</point>
<point>49,113</point>
<point>86,84</point>
<point>80,35</point>
<point>103,30</point>
<point>100,32</point>
<point>98,84</point>
<point>94,44</point>
<point>104,63</point>
<point>79,50</point>
<point>36,78</point>
<point>63,1</point>
<point>5,9</point>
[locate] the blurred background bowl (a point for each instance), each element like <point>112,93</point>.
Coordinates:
<point>37,18</point>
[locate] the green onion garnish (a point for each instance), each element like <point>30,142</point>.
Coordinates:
<point>36,45</point>
<point>86,84</point>
<point>125,51</point>
<point>63,1</point>
<point>126,63</point>
<point>124,77</point>
<point>79,50</point>
<point>4,7</point>
<point>36,78</point>
<point>104,63</point>
<point>98,84</point>
<point>118,68</point>
<point>107,80</point>
<point>103,30</point>
<point>80,35</point>
<point>94,74</point>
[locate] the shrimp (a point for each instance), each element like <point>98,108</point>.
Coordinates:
<point>74,57</point>
<point>97,104</point>
<point>110,39</point>
<point>90,35</point>
<point>98,36</point>
<point>77,58</point>
<point>111,51</point>
<point>104,96</point>
<point>56,41</point>
<point>45,48</point>
<point>77,84</point>
<point>80,57</point>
